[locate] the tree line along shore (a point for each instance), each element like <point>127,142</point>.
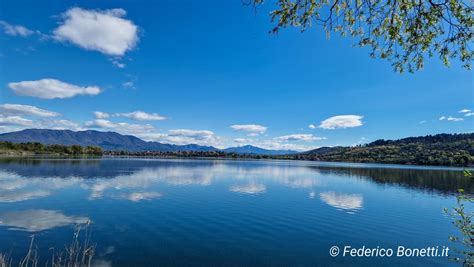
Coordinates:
<point>437,150</point>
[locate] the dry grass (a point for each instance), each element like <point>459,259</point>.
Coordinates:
<point>77,254</point>
<point>5,260</point>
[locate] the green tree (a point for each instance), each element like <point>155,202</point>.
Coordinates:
<point>463,221</point>
<point>402,31</point>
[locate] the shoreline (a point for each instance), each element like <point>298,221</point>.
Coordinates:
<point>241,158</point>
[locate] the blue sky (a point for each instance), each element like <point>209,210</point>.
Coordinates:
<point>196,69</point>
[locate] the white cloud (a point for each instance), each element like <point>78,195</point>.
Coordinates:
<point>129,85</point>
<point>51,88</point>
<point>243,140</point>
<point>342,201</point>
<point>17,109</point>
<point>15,121</point>
<point>312,126</point>
<point>423,122</point>
<point>141,116</point>
<point>15,30</point>
<point>299,137</point>
<point>267,144</point>
<point>454,119</point>
<point>184,137</point>
<point>465,110</point>
<point>469,114</point>
<point>341,122</point>
<point>117,63</point>
<point>252,129</point>
<point>274,144</point>
<point>121,127</point>
<point>105,31</point>
<point>101,115</point>
<point>196,134</point>
<point>59,125</point>
<point>442,118</point>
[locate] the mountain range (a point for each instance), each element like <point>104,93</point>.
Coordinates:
<point>115,142</point>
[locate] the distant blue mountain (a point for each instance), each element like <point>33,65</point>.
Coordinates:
<point>248,149</point>
<point>105,140</point>
<point>114,141</point>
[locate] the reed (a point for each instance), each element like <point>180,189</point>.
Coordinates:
<point>78,253</point>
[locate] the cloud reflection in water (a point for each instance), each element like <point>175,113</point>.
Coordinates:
<point>140,183</point>
<point>342,201</point>
<point>35,220</point>
<point>251,188</point>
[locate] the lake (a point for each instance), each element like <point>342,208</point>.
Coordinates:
<point>149,212</point>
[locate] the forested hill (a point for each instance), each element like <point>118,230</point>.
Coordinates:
<point>440,149</point>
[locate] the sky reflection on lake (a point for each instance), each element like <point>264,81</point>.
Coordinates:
<point>177,212</point>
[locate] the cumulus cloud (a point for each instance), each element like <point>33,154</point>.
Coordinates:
<point>454,119</point>
<point>59,125</point>
<point>15,30</point>
<point>106,31</point>
<point>274,144</point>
<point>465,110</point>
<point>243,140</point>
<point>184,137</point>
<point>15,121</point>
<point>196,134</point>
<point>101,115</point>
<point>121,127</point>
<point>450,118</point>
<point>341,122</point>
<point>252,129</point>
<point>10,123</point>
<point>299,137</point>
<point>51,88</point>
<point>469,114</point>
<point>312,126</point>
<point>135,115</point>
<point>17,109</point>
<point>141,116</point>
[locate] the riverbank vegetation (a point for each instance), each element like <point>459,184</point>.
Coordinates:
<point>77,254</point>
<point>436,150</point>
<point>10,148</point>
<point>463,220</point>
<point>441,149</point>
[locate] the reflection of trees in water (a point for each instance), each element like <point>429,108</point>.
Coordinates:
<point>87,168</point>
<point>190,171</point>
<point>443,181</point>
<point>29,167</point>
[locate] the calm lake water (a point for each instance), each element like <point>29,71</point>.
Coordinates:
<point>149,212</point>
